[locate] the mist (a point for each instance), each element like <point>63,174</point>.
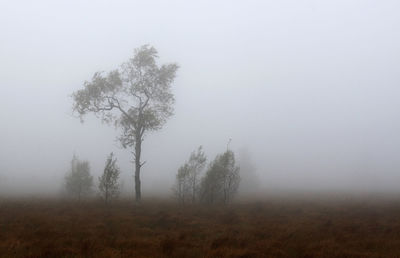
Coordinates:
<point>308,91</point>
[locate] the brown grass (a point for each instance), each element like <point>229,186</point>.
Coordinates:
<point>271,228</point>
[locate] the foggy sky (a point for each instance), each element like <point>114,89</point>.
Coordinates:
<point>310,88</point>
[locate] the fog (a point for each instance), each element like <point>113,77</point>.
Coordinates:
<point>308,90</point>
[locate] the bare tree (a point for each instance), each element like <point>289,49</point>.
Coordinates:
<point>108,182</point>
<point>78,181</point>
<point>136,97</point>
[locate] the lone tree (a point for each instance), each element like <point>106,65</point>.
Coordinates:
<point>108,182</point>
<point>187,178</point>
<point>136,97</point>
<point>78,181</point>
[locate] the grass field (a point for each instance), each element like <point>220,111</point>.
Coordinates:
<point>275,227</point>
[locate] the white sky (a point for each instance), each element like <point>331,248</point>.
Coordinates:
<point>310,88</point>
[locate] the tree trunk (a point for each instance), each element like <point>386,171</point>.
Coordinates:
<point>138,165</point>
<point>194,190</point>
<point>137,183</point>
<point>106,194</point>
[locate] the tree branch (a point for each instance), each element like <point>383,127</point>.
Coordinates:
<point>118,106</point>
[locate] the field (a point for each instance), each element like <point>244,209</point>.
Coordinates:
<point>274,227</point>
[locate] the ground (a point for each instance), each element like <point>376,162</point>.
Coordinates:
<point>270,227</point>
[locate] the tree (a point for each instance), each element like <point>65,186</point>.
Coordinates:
<point>221,181</point>
<point>78,182</point>
<point>136,97</point>
<point>187,177</point>
<point>108,182</point>
<point>197,162</point>
<point>182,188</point>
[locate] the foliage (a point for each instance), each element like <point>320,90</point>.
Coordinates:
<point>78,182</point>
<point>136,98</point>
<point>108,182</point>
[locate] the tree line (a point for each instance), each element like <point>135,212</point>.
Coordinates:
<point>218,185</point>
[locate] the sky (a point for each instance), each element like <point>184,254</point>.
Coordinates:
<point>310,89</point>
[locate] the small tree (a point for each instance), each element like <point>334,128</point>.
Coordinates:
<point>221,181</point>
<point>197,162</point>
<point>78,181</point>
<point>187,177</point>
<point>108,182</point>
<point>182,187</point>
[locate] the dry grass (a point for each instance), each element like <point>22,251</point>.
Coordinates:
<point>271,228</point>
